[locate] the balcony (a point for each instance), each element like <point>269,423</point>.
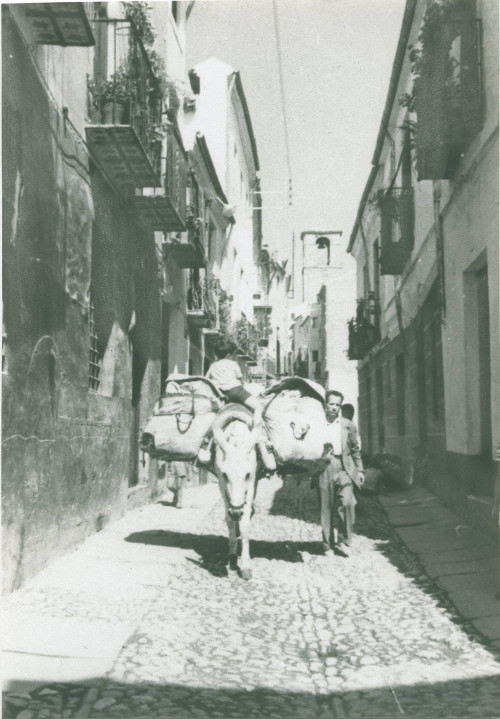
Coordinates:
<point>244,335</point>
<point>189,251</point>
<point>397,224</point>
<point>262,324</point>
<point>447,87</point>
<point>165,210</point>
<point>201,302</point>
<point>363,334</point>
<point>64,24</point>
<point>126,108</point>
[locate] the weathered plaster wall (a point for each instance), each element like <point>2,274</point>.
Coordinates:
<point>67,454</point>
<point>470,231</point>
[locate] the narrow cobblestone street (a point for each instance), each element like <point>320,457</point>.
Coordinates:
<point>371,635</point>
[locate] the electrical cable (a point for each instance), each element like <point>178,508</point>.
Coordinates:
<point>282,93</point>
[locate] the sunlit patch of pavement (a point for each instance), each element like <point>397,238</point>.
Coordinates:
<point>368,635</point>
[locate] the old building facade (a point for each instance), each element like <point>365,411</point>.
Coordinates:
<point>123,257</point>
<point>327,289</point>
<point>426,331</point>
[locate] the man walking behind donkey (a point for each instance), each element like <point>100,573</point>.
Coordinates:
<point>343,470</point>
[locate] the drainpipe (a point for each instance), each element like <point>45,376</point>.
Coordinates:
<point>438,230</point>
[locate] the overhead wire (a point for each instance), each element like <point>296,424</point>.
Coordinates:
<point>282,93</point>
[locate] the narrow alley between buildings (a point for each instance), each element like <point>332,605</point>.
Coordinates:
<point>146,619</point>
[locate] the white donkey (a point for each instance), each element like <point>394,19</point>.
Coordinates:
<point>236,466</point>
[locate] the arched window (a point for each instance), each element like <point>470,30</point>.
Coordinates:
<point>323,243</point>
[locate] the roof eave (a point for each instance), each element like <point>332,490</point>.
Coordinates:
<point>246,112</point>
<point>207,158</point>
<point>389,103</point>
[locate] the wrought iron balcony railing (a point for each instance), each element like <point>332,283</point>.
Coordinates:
<point>165,210</point>
<point>262,324</point>
<point>125,111</point>
<point>397,224</point>
<point>202,301</point>
<point>189,250</point>
<point>447,90</point>
<point>245,336</point>
<point>363,333</point>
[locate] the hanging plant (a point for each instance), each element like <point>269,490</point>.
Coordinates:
<point>445,93</point>
<point>138,13</point>
<point>387,202</point>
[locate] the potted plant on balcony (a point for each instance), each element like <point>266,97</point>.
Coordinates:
<point>113,97</point>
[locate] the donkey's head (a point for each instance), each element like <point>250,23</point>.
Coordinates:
<point>236,464</point>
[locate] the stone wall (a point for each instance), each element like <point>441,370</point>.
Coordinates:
<point>69,454</point>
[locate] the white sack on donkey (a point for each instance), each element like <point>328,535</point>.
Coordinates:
<point>181,418</point>
<point>295,422</point>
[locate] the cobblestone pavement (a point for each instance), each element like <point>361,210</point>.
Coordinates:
<point>366,636</point>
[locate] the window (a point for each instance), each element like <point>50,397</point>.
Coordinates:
<point>401,394</point>
<point>95,357</point>
<point>175,10</point>
<point>315,357</point>
<point>314,322</point>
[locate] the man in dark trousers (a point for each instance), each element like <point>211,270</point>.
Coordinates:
<point>343,472</point>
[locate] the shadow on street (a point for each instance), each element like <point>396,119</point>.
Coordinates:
<point>213,549</point>
<point>98,698</point>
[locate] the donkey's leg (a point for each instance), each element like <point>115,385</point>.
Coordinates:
<point>246,572</point>
<point>232,527</point>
